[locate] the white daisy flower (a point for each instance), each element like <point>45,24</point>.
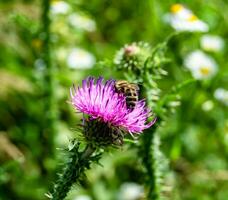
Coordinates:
<point>59,7</point>
<point>212,43</point>
<point>201,65</point>
<point>80,59</point>
<point>221,95</point>
<point>81,21</point>
<point>130,191</point>
<point>207,105</point>
<point>82,197</point>
<point>183,19</point>
<point>180,11</point>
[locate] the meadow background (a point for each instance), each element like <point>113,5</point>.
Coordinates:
<point>36,73</point>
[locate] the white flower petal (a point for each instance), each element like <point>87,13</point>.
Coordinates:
<point>221,95</point>
<point>80,59</point>
<point>183,19</point>
<point>130,191</point>
<point>59,7</point>
<point>212,43</point>
<point>82,22</point>
<point>201,65</point>
<point>82,197</point>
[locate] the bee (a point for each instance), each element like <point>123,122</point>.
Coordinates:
<point>130,90</point>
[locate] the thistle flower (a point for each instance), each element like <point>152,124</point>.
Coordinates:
<point>132,56</point>
<point>183,19</point>
<point>108,117</point>
<point>80,59</point>
<point>212,43</point>
<point>201,65</point>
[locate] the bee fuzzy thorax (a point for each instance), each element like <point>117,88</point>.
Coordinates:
<point>130,90</point>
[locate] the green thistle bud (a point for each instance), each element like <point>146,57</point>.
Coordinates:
<point>132,56</point>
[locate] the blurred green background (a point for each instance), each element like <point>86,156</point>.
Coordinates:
<point>194,138</point>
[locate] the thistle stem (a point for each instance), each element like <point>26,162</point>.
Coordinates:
<point>74,169</point>
<point>48,87</point>
<point>149,161</point>
<point>150,158</point>
<point>87,152</point>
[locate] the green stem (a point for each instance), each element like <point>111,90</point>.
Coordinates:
<point>48,84</point>
<point>74,169</point>
<point>149,161</point>
<point>148,145</point>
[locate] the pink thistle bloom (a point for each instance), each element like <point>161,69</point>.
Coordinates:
<point>101,101</point>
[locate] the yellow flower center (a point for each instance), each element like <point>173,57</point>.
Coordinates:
<point>37,43</point>
<point>176,8</point>
<point>192,18</point>
<point>205,70</point>
<point>53,2</point>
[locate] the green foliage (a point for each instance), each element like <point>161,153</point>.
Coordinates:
<point>183,156</point>
<point>73,170</point>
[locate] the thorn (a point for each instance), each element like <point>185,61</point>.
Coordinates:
<point>48,195</point>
